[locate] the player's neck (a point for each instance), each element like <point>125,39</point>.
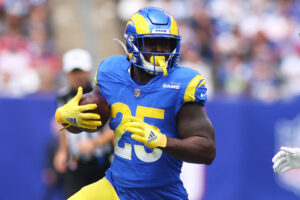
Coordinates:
<point>140,76</point>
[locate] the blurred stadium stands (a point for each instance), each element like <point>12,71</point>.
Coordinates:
<point>248,51</point>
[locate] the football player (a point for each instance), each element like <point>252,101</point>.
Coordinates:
<point>156,113</point>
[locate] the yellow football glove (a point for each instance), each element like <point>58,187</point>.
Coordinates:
<point>73,114</point>
<point>145,133</point>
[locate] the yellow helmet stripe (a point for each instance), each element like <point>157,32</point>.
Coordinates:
<point>141,24</point>
<point>173,28</point>
<point>195,83</point>
<point>129,22</point>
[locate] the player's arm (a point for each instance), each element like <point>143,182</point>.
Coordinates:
<point>198,137</point>
<point>197,143</point>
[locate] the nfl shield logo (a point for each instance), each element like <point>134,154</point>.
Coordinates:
<point>137,92</point>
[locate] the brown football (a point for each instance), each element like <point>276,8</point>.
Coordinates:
<point>102,107</point>
<point>72,129</point>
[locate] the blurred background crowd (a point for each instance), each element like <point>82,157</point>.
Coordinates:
<point>247,49</point>
<point>243,48</point>
<point>29,61</point>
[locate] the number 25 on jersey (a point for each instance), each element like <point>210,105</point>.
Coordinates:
<point>139,150</point>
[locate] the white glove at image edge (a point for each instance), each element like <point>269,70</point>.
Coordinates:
<point>287,158</point>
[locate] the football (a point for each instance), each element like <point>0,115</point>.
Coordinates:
<point>102,107</point>
<point>72,129</point>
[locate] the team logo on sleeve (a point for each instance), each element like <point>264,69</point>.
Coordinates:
<point>203,94</point>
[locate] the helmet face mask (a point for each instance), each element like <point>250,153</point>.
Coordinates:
<point>151,34</point>
<point>161,46</point>
<point>150,44</point>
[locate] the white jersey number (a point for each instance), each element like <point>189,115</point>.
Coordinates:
<point>141,113</point>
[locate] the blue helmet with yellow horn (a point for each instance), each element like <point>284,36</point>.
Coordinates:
<point>150,23</point>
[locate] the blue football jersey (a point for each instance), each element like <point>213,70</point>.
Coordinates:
<point>157,103</point>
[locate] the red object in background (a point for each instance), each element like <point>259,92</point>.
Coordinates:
<point>13,43</point>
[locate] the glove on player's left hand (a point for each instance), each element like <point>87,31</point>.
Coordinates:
<point>145,133</point>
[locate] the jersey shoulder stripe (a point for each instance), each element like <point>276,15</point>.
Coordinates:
<point>194,84</point>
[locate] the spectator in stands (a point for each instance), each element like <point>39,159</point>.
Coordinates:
<point>240,33</point>
<point>83,157</point>
<point>290,71</point>
<point>17,77</point>
<point>45,59</point>
<point>191,58</point>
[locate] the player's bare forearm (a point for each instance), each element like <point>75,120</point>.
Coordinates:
<point>198,137</point>
<point>193,149</point>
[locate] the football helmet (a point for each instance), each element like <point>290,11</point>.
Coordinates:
<point>152,23</point>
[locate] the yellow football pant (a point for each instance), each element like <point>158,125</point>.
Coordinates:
<point>99,190</point>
